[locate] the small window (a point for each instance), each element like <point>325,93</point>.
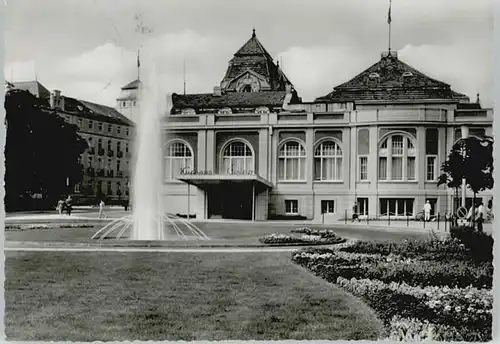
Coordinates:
<point>327,207</point>
<point>291,207</point>
<point>374,76</point>
<point>363,168</point>
<point>407,74</point>
<point>362,206</point>
<point>124,104</point>
<point>99,126</point>
<point>79,122</point>
<point>110,128</point>
<point>431,168</point>
<point>118,130</point>
<point>91,124</point>
<point>127,131</point>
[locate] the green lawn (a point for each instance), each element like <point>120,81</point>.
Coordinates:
<point>175,296</point>
<point>241,233</point>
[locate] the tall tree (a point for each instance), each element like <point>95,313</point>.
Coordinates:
<point>42,153</point>
<point>470,159</point>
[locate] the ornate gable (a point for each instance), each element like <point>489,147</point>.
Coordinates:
<point>253,61</point>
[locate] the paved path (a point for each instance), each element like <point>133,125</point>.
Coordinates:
<point>156,249</point>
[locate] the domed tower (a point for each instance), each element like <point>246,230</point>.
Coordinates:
<point>128,101</point>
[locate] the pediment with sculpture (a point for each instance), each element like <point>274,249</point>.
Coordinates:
<point>248,81</point>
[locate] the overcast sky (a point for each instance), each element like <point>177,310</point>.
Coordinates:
<point>87,48</point>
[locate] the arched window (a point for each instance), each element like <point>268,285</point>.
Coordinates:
<point>328,161</point>
<point>397,158</point>
<point>237,157</point>
<point>247,88</point>
<point>292,161</point>
<point>178,156</point>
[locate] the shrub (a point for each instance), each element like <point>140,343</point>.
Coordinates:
<point>428,273</point>
<point>467,310</point>
<point>478,244</point>
<point>432,249</point>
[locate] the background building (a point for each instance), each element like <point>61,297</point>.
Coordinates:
<point>252,149</point>
<point>107,162</point>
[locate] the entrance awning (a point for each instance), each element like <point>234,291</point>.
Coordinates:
<point>215,179</point>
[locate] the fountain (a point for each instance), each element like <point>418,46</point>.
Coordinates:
<point>149,220</point>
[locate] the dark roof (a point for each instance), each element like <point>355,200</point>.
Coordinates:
<point>132,85</point>
<point>94,111</point>
<point>391,79</point>
<point>253,56</point>
<point>230,99</point>
<point>469,106</point>
<point>33,87</point>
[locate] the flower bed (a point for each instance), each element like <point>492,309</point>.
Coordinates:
<point>42,226</point>
<point>416,296</point>
<point>283,239</point>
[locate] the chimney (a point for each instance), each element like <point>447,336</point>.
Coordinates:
<point>217,91</point>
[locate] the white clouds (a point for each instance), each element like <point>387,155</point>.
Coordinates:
<point>97,74</point>
<point>466,67</point>
<point>314,71</point>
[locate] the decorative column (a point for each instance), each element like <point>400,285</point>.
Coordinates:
<point>210,151</point>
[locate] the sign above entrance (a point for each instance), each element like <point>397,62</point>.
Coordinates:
<point>188,171</point>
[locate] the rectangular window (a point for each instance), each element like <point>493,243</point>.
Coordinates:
<point>91,124</point>
<point>118,165</point>
<point>127,131</point>
<point>431,141</point>
<point>77,188</point>
<point>363,168</point>
<point>126,148</point>
<point>363,206</point>
<point>110,128</point>
<point>431,168</point>
<point>397,168</point>
<point>79,122</point>
<point>382,168</point>
<point>291,207</point>
<point>118,130</point>
<point>410,168</point>
<point>396,206</point>
<point>90,160</point>
<point>99,126</point>
<point>327,207</point>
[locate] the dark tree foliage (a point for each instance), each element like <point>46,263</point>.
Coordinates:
<point>470,159</point>
<point>41,152</point>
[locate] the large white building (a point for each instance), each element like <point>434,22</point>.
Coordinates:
<point>252,149</point>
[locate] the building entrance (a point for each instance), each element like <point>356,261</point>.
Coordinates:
<point>230,201</point>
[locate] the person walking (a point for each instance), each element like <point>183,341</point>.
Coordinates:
<point>355,215</point>
<point>60,206</point>
<point>479,221</point>
<point>427,211</point>
<point>69,205</point>
<point>101,209</point>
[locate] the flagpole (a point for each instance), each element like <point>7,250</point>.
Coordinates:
<point>389,20</point>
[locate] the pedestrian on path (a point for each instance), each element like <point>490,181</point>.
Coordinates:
<point>427,211</point>
<point>60,206</point>
<point>355,215</point>
<point>101,209</point>
<point>480,220</point>
<point>69,205</point>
